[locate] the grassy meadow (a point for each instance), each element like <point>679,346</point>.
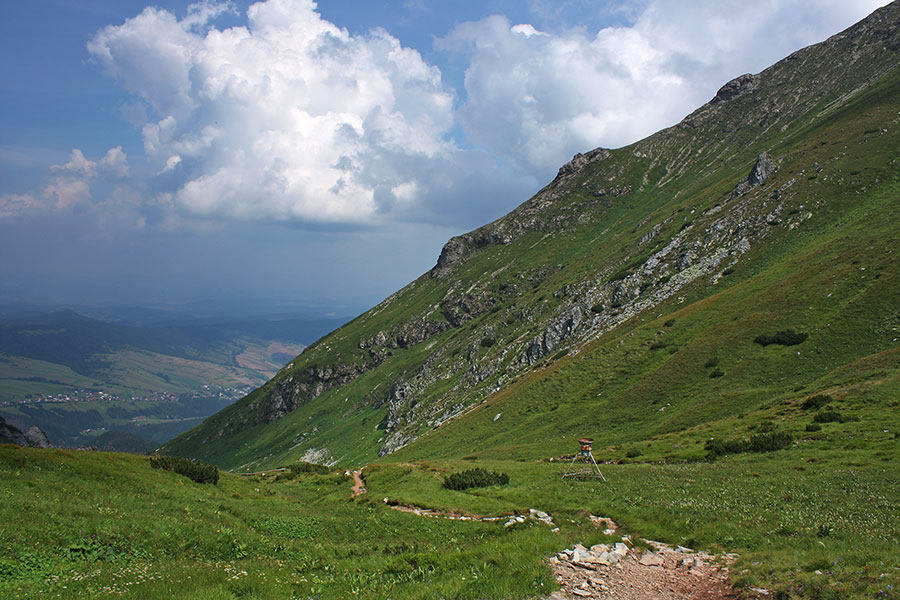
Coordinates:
<point>807,524</point>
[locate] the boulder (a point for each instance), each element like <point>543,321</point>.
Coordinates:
<point>649,559</point>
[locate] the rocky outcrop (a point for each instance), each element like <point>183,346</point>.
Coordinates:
<point>33,437</point>
<point>579,162</point>
<point>561,329</point>
<point>295,390</point>
<point>461,247</point>
<point>37,438</point>
<point>764,168</point>
<point>745,84</point>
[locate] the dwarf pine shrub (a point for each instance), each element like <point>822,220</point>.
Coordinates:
<point>815,402</point>
<point>193,469</point>
<point>787,337</point>
<point>760,442</point>
<point>477,477</point>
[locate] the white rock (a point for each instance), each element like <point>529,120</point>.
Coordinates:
<point>650,559</point>
<point>621,548</point>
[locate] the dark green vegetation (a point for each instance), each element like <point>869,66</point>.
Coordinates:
<point>472,478</point>
<point>622,303</point>
<point>788,337</point>
<point>195,470</point>
<point>759,442</point>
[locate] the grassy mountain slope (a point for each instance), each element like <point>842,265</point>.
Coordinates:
<point>599,301</point>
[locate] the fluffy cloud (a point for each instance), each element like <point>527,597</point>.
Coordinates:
<point>77,165</point>
<point>12,205</point>
<point>539,97</point>
<point>288,118</point>
<point>115,162</point>
<point>71,186</point>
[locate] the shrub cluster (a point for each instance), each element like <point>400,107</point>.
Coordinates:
<point>302,468</point>
<point>787,337</point>
<point>760,442</point>
<point>477,477</point>
<point>193,469</point>
<point>831,416</point>
<point>816,402</point>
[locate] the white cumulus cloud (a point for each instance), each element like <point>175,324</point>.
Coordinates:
<point>286,118</point>
<point>538,97</point>
<point>115,162</point>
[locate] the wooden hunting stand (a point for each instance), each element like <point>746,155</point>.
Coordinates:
<point>587,456</point>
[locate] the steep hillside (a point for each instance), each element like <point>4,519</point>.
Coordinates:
<point>623,299</point>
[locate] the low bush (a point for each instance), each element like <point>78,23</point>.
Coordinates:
<point>768,442</point>
<point>487,342</point>
<point>816,402</point>
<point>831,416</point>
<point>716,373</point>
<point>633,453</point>
<point>812,427</point>
<point>787,337</point>
<point>302,468</point>
<point>760,442</point>
<point>195,470</point>
<point>474,478</point>
<point>713,362</point>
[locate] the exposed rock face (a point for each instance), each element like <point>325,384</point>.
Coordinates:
<point>580,161</point>
<point>764,168</point>
<point>36,437</point>
<point>12,435</point>
<point>295,390</point>
<point>459,248</point>
<point>744,84</point>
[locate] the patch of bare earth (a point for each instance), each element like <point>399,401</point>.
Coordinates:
<point>359,486</point>
<point>663,574</point>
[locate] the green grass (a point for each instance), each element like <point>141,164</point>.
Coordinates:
<point>104,523</point>
<point>101,523</point>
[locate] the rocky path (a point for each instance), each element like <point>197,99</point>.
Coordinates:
<point>612,571</point>
<point>620,572</point>
<point>359,486</point>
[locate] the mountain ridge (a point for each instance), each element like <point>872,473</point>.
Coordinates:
<point>615,234</point>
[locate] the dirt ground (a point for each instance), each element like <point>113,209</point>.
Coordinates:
<point>667,574</point>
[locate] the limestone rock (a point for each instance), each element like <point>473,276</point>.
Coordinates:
<point>649,559</point>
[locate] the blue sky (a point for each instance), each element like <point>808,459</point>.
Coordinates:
<point>290,153</point>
